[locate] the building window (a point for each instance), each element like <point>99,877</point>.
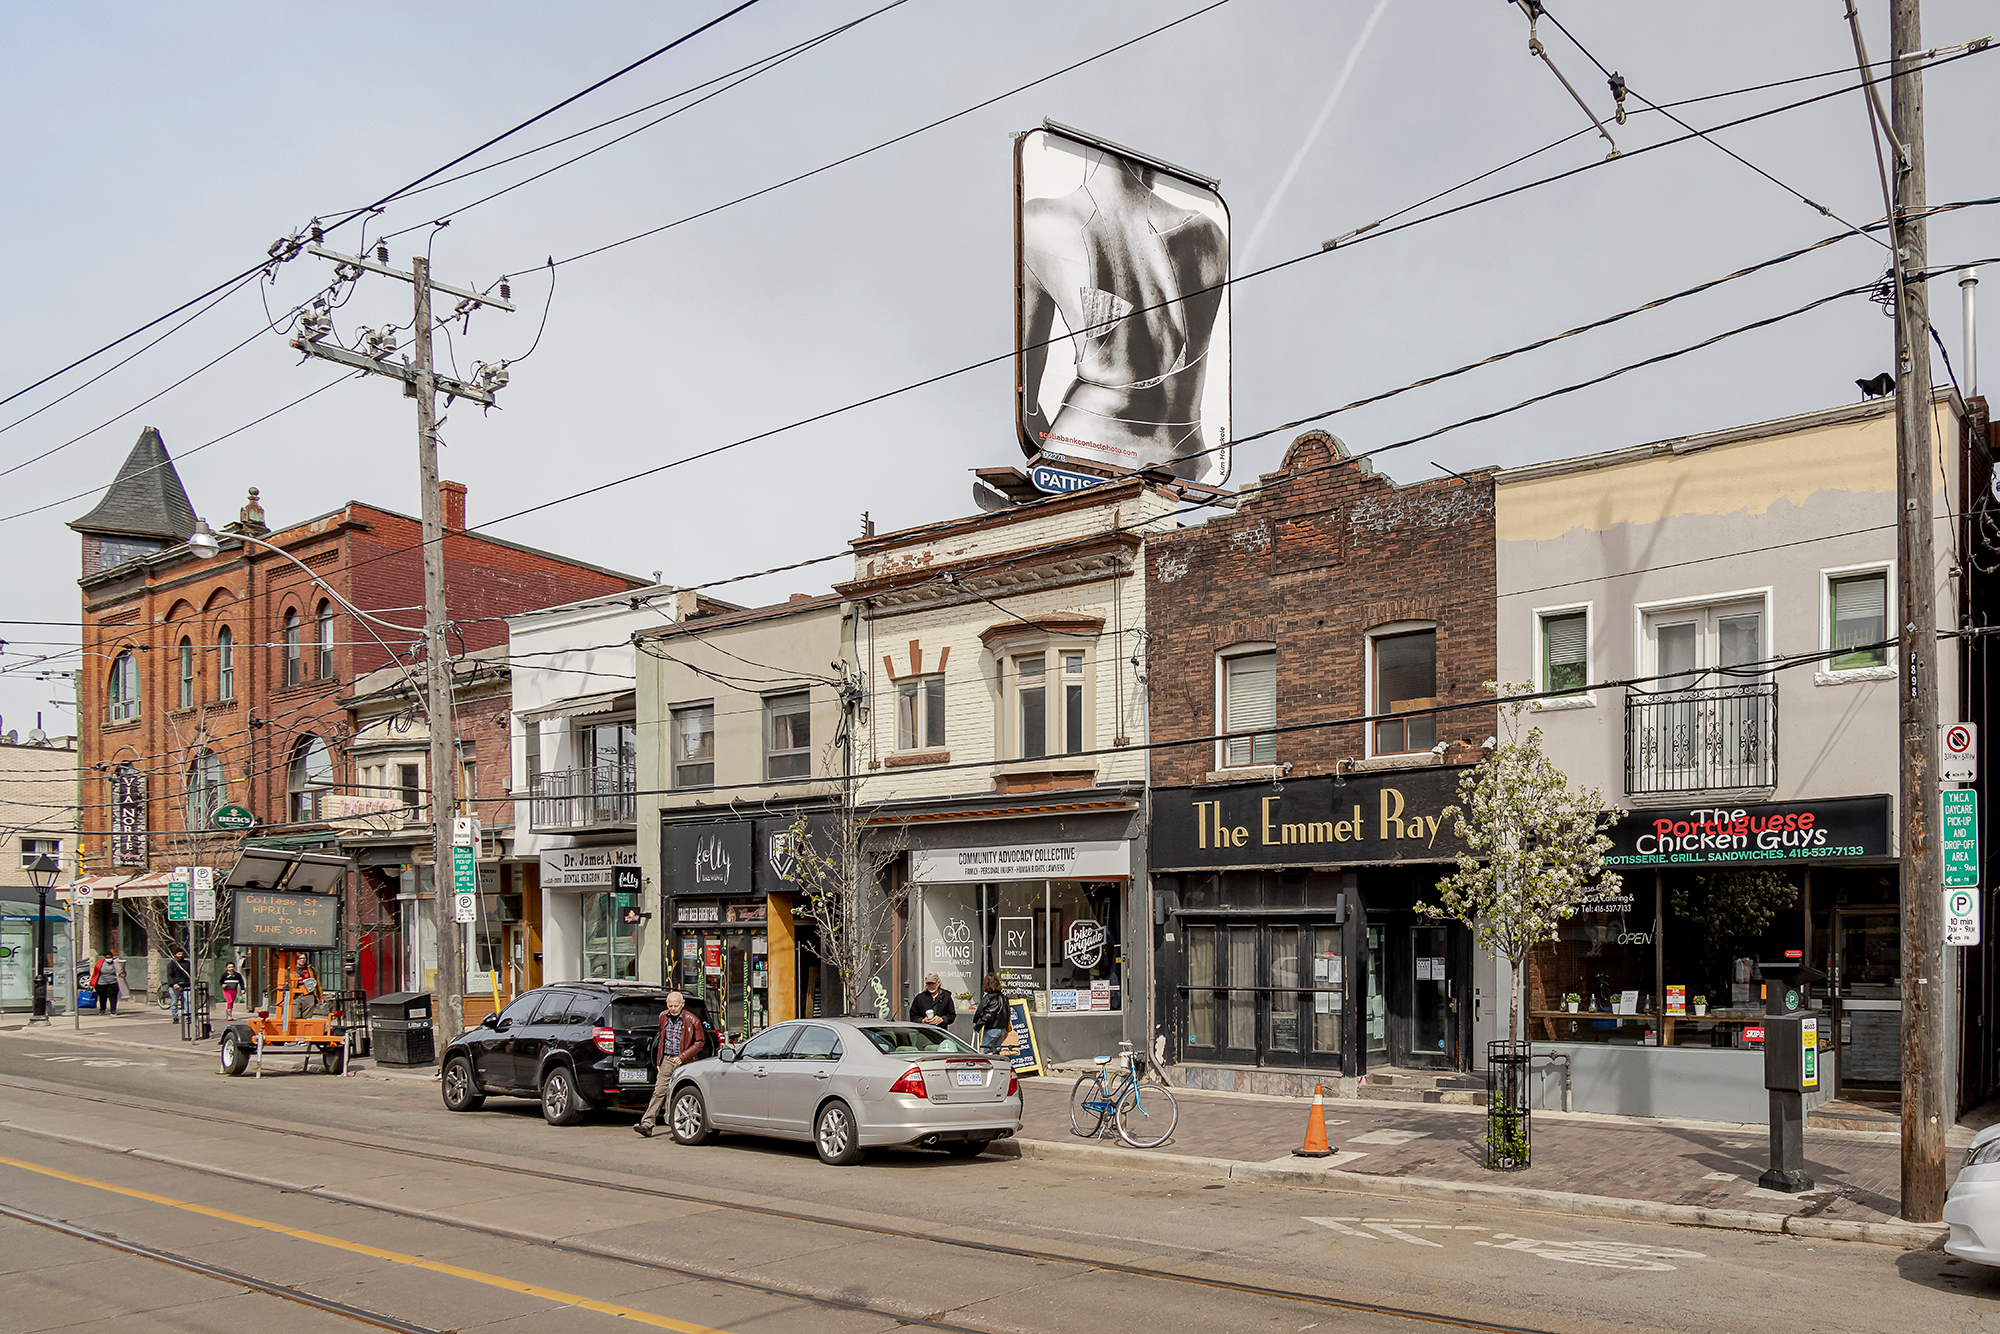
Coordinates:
<point>187,673</point>
<point>206,790</point>
<point>225,664</point>
<point>324,668</point>
<point>920,714</point>
<point>1250,700</point>
<point>788,736</point>
<point>293,667</point>
<point>1072,695</point>
<point>1565,658</point>
<point>1857,609</point>
<point>410,788</point>
<point>124,688</point>
<point>311,774</point>
<point>694,745</point>
<point>1405,680</point>
<point>468,776</point>
<point>531,751</point>
<point>35,848</point>
<point>1031,707</point>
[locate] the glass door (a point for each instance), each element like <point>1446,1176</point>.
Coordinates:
<point>1432,1033</point>
<point>1375,1012</point>
<point>1222,995</point>
<point>1868,1004</point>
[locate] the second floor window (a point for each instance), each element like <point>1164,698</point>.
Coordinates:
<point>468,776</point>
<point>1565,651</point>
<point>531,751</point>
<point>788,736</point>
<point>123,693</point>
<point>323,669</point>
<point>1858,612</point>
<point>1405,681</point>
<point>311,774</point>
<point>920,714</point>
<point>187,673</point>
<point>225,664</point>
<point>409,789</point>
<point>206,790</point>
<point>694,745</point>
<point>294,669</point>
<point>1250,700</point>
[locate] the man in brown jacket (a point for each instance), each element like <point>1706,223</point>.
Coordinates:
<point>680,1041</point>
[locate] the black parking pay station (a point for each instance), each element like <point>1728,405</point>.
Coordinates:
<point>1791,1069</point>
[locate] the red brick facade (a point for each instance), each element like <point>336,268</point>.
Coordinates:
<point>1312,562</point>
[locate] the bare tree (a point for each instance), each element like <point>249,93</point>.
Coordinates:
<point>843,887</point>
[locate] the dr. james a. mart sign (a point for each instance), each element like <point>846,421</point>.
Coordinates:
<point>585,868</point>
<point>1307,822</point>
<point>1037,861</point>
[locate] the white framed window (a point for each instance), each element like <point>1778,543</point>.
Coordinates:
<point>1246,683</point>
<point>294,669</point>
<point>920,713</point>
<point>33,849</point>
<point>207,790</point>
<point>187,673</point>
<point>1046,698</point>
<point>1402,678</point>
<point>309,777</point>
<point>410,791</point>
<point>323,669</point>
<point>1031,706</point>
<point>123,692</point>
<point>1703,644</point>
<point>225,664</point>
<point>693,729</point>
<point>1856,606</point>
<point>788,735</point>
<point>1564,644</point>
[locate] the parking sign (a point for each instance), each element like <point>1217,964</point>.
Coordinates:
<point>1958,753</point>
<point>1961,917</point>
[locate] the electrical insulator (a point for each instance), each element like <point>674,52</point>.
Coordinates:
<point>381,252</point>
<point>506,294</point>
<point>317,237</point>
<point>314,325</point>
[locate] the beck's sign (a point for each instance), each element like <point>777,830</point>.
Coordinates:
<point>1837,829</point>
<point>1392,817</point>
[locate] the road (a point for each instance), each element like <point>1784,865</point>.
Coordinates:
<point>366,1197</point>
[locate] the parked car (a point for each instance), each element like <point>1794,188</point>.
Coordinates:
<point>574,1045</point>
<point>1973,1205</point>
<point>849,1085</point>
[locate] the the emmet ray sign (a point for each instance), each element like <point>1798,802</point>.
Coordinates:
<point>1392,817</point>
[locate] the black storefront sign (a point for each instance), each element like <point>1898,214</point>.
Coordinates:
<point>778,849</point>
<point>718,858</point>
<point>1391,817</point>
<point>1836,829</point>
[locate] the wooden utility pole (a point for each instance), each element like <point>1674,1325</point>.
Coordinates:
<point>1927,1075</point>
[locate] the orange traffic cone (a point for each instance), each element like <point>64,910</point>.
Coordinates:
<point>1315,1145</point>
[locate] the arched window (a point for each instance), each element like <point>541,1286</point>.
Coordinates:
<point>207,790</point>
<point>187,672</point>
<point>225,664</point>
<point>311,774</point>
<point>293,668</point>
<point>124,690</point>
<point>324,669</point>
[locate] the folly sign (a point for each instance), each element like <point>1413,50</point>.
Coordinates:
<point>1393,817</point>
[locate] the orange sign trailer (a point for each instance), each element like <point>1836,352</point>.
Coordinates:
<point>286,904</point>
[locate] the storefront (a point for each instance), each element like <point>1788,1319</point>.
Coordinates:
<point>19,914</point>
<point>1638,985</point>
<point>591,914</point>
<point>1289,933</point>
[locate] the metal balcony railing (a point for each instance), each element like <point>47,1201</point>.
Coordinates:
<point>1717,739</point>
<point>584,798</point>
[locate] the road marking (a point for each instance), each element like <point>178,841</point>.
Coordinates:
<point>101,1061</point>
<point>1340,1225</point>
<point>376,1252</point>
<point>1388,1137</point>
<point>1400,1235</point>
<point>1600,1254</point>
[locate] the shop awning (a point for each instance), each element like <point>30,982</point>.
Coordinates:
<point>579,706</point>
<point>149,885</point>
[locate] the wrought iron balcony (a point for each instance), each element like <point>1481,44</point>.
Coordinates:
<point>598,798</point>
<point>1718,739</point>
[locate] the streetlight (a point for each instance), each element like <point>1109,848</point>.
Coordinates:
<point>42,868</point>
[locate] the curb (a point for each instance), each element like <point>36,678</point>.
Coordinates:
<point>204,1049</point>
<point>1903,1236</point>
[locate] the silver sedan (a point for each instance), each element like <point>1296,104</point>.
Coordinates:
<point>849,1085</point>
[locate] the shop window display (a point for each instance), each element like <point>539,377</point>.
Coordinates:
<point>1057,944</point>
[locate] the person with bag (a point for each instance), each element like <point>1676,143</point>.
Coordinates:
<point>180,982</point>
<point>989,1020</point>
<point>682,1039</point>
<point>105,979</point>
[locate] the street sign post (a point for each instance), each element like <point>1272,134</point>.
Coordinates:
<point>464,884</point>
<point>177,895</point>
<point>201,895</point>
<point>1958,753</point>
<point>1961,916</point>
<point>1958,842</point>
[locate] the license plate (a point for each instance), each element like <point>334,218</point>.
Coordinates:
<point>628,1075</point>
<point>971,1077</point>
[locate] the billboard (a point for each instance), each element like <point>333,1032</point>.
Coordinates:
<point>284,921</point>
<point>1121,308</point>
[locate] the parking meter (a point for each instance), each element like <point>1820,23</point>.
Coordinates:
<point>1791,1068</point>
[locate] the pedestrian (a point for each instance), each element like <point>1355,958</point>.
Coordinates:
<point>933,1005</point>
<point>180,980</point>
<point>989,1021</point>
<point>104,978</point>
<point>232,983</point>
<point>681,1040</point>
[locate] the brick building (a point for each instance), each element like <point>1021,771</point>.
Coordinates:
<point>1290,861</point>
<point>227,681</point>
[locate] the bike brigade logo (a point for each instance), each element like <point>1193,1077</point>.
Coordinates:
<point>1084,945</point>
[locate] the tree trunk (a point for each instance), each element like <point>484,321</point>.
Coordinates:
<point>1516,985</point>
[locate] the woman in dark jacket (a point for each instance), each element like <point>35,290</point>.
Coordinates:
<point>989,1020</point>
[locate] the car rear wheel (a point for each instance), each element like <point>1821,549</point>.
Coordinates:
<point>836,1136</point>
<point>235,1057</point>
<point>460,1093</point>
<point>967,1148</point>
<point>688,1116</point>
<point>562,1105</point>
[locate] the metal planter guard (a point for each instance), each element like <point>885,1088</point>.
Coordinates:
<point>1509,1141</point>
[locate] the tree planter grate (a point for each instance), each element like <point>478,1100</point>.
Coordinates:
<point>1509,1141</point>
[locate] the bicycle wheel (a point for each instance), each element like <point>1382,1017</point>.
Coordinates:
<point>1147,1116</point>
<point>1087,1120</point>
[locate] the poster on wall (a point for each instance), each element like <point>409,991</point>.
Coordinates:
<point>1122,308</point>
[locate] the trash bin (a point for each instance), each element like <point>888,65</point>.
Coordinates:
<point>400,1026</point>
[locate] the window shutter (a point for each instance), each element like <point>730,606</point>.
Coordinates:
<point>1250,700</point>
<point>1860,610</point>
<point>1565,640</point>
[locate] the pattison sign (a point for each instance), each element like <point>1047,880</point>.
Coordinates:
<point>1391,817</point>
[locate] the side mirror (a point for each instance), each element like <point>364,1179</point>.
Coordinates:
<point>490,1021</point>
<point>727,1056</point>
<point>502,1025</point>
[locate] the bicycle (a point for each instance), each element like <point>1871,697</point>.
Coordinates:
<point>1144,1114</point>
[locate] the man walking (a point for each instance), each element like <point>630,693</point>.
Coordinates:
<point>180,981</point>
<point>933,1005</point>
<point>680,1041</point>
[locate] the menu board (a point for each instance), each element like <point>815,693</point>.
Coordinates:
<point>285,921</point>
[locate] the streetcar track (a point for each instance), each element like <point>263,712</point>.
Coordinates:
<point>112,1241</point>
<point>1433,1318</point>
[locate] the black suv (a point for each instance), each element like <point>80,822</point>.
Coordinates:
<point>574,1045</point>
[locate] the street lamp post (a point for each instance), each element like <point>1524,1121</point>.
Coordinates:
<point>42,871</point>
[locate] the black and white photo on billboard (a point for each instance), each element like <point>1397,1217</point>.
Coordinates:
<point>1123,358</point>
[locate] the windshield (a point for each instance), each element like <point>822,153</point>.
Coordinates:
<point>916,1041</point>
<point>637,1011</point>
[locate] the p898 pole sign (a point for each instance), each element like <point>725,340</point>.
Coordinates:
<point>285,921</point>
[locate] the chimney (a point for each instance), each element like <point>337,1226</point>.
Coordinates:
<point>686,603</point>
<point>801,597</point>
<point>451,499</point>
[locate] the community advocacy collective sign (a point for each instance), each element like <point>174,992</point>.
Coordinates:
<point>1834,830</point>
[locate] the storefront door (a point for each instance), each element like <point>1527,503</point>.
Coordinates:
<point>1268,994</point>
<point>1433,1035</point>
<point>1376,1014</point>
<point>1868,1004</point>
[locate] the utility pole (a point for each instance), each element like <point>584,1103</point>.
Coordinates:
<point>421,382</point>
<point>1927,1075</point>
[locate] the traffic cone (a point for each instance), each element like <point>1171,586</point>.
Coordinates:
<point>1315,1145</point>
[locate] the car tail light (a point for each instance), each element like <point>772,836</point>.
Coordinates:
<point>911,1083</point>
<point>1013,1084</point>
<point>605,1038</point>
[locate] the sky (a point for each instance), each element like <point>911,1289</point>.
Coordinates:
<point>154,151</point>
